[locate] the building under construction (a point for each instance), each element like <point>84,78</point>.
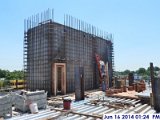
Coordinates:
<point>52,52</point>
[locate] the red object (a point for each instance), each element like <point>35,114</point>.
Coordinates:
<point>67,104</point>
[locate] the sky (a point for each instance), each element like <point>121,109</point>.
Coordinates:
<point>135,25</point>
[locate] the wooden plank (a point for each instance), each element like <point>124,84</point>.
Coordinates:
<point>71,111</point>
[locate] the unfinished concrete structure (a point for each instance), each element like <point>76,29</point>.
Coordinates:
<point>52,51</point>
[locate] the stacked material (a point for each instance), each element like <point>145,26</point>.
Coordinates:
<point>124,89</point>
<point>109,92</point>
<point>130,88</point>
<point>5,105</point>
<point>26,98</point>
<point>140,86</point>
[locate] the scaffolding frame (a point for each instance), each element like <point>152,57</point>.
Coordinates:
<point>74,42</point>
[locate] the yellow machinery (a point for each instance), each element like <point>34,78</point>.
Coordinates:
<point>17,84</point>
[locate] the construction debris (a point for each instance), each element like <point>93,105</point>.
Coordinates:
<point>5,105</point>
<point>56,104</point>
<point>93,107</point>
<point>26,98</point>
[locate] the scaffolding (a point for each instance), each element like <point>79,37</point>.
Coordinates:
<point>74,42</point>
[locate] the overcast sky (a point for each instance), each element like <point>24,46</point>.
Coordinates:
<point>135,25</point>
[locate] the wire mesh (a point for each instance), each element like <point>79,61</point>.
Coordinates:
<point>74,42</point>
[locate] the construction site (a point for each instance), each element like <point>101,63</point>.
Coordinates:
<point>69,75</point>
<point>54,52</point>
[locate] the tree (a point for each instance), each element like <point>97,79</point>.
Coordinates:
<point>3,73</point>
<point>126,72</point>
<point>16,74</point>
<point>141,71</point>
<point>156,68</point>
<point>145,73</point>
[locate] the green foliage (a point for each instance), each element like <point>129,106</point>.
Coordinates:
<point>141,71</point>
<point>6,83</point>
<point>1,83</point>
<point>156,68</point>
<point>145,73</point>
<point>126,72</point>
<point>16,74</point>
<point>3,73</point>
<point>7,76</point>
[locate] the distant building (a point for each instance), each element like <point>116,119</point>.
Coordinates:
<point>137,77</point>
<point>53,50</point>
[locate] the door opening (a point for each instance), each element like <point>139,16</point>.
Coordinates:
<point>59,78</point>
